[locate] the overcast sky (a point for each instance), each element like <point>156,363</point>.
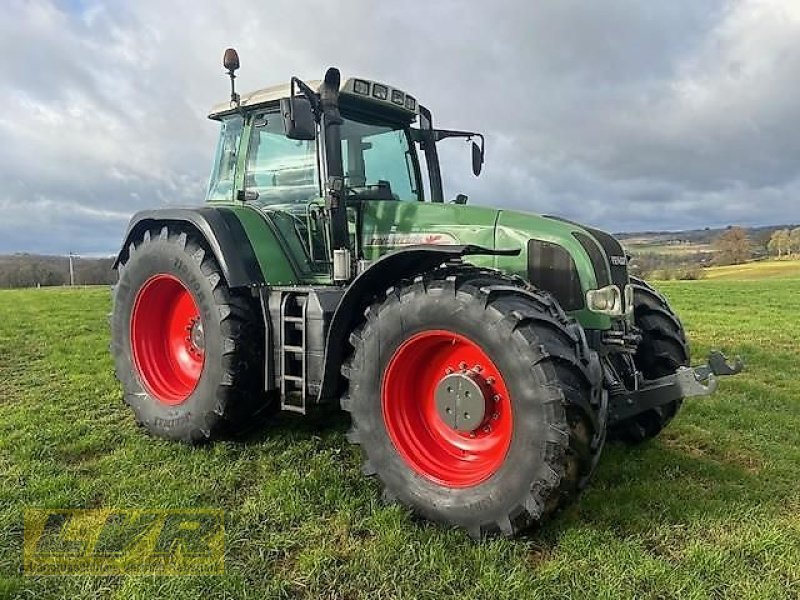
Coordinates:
<point>622,114</point>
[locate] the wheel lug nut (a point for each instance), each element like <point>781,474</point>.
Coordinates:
<point>490,380</point>
<point>462,365</point>
<point>472,434</point>
<point>495,416</point>
<point>477,368</point>
<point>496,398</point>
<point>448,371</point>
<point>487,429</point>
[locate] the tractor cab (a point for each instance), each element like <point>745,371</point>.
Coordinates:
<point>379,156</point>
<point>330,173</point>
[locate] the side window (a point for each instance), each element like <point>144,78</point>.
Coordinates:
<point>220,186</point>
<point>281,170</point>
<point>387,159</point>
<point>378,160</point>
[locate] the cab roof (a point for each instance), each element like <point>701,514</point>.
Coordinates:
<point>372,92</point>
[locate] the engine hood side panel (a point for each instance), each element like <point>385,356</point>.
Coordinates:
<point>515,229</point>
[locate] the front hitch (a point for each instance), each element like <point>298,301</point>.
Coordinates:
<point>686,382</point>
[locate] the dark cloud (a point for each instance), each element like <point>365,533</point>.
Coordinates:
<point>624,114</point>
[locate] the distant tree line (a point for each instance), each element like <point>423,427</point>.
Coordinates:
<point>30,270</point>
<point>735,245</point>
<point>785,243</point>
<point>654,265</point>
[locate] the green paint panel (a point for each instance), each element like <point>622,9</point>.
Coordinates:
<point>388,225</point>
<point>391,224</point>
<point>514,229</point>
<point>272,258</point>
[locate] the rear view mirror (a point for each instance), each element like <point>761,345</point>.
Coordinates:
<point>477,158</point>
<point>298,118</point>
<point>477,149</point>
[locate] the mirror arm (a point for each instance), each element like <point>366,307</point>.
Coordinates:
<point>441,134</point>
<point>310,94</point>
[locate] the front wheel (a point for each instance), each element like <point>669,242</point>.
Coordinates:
<point>661,352</point>
<point>476,402</point>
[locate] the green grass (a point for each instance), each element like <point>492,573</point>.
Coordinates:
<point>764,269</point>
<point>710,509</point>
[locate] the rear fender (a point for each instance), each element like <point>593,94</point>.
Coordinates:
<point>222,231</point>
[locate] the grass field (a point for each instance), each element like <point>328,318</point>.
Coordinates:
<point>711,509</point>
<point>763,269</point>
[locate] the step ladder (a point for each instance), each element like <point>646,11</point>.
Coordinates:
<point>293,371</point>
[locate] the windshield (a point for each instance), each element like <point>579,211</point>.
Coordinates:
<point>378,162</point>
<point>377,158</point>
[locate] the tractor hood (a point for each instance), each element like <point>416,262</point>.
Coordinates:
<point>565,258</point>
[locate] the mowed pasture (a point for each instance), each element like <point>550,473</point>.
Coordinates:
<point>762,269</point>
<point>710,509</point>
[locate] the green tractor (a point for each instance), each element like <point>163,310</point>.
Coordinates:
<point>484,355</point>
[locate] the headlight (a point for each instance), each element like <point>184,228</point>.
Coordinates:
<point>380,91</point>
<point>607,301</point>
<point>361,87</point>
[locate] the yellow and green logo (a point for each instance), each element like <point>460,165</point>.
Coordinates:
<point>123,542</point>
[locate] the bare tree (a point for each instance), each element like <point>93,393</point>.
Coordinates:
<point>794,241</point>
<point>774,246</point>
<point>732,247</point>
<point>779,243</point>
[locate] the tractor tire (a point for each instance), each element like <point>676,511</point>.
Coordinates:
<point>188,351</point>
<point>661,352</point>
<point>536,433</point>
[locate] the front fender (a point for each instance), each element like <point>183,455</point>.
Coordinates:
<point>389,269</point>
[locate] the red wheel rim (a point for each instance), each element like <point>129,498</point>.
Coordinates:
<point>167,339</point>
<point>428,445</point>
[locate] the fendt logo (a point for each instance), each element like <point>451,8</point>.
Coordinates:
<point>123,542</point>
<point>618,261</point>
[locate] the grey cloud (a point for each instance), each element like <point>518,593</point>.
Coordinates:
<point>627,115</point>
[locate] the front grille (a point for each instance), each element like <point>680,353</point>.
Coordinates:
<point>617,260</point>
<point>596,257</point>
<point>551,268</point>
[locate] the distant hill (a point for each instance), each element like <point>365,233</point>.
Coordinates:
<point>686,254</point>
<point>31,270</point>
<point>706,235</point>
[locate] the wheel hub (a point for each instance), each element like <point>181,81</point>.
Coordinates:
<point>446,408</point>
<point>196,339</point>
<point>461,400</point>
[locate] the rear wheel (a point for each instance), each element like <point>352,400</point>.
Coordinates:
<point>661,352</point>
<point>476,402</point>
<point>188,351</point>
